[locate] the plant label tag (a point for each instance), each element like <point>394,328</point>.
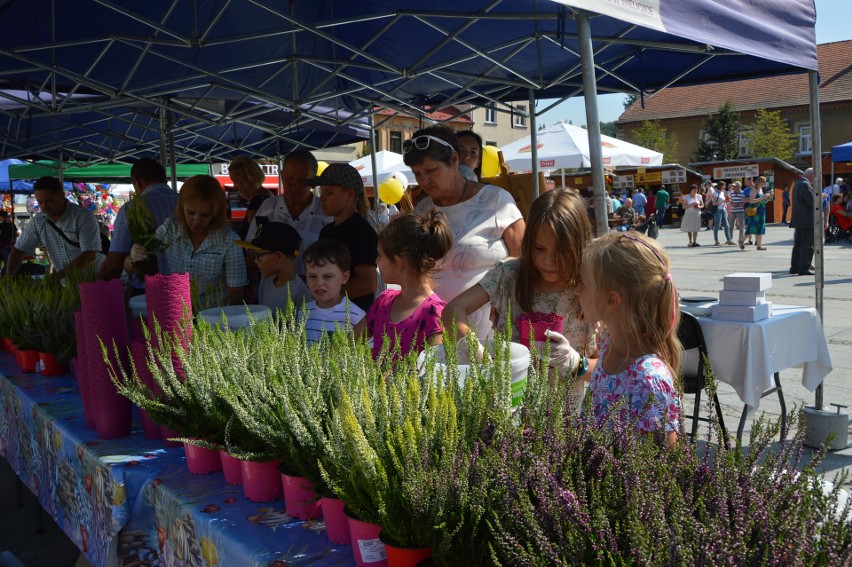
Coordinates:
<point>372,550</point>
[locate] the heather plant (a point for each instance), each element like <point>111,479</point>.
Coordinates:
<point>400,449</point>
<point>570,492</point>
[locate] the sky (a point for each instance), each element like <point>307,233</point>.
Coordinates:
<point>832,25</point>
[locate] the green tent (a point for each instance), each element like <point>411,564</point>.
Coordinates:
<point>102,171</point>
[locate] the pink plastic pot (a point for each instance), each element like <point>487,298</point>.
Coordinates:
<point>201,460</point>
<point>336,522</point>
<point>113,422</point>
<point>150,428</point>
<point>169,434</point>
<point>51,365</point>
<point>300,498</point>
<point>367,548</point>
<point>261,480</point>
<point>232,468</point>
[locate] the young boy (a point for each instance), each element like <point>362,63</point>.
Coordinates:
<point>327,269</point>
<point>276,245</point>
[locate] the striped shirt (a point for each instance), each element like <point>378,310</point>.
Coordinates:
<point>736,204</point>
<point>77,223</point>
<point>327,320</point>
<point>215,265</point>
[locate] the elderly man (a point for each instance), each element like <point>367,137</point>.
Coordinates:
<point>297,206</point>
<point>802,220</point>
<point>69,232</point>
<point>149,179</point>
<point>627,214</point>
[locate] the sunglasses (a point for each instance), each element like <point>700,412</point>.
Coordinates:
<point>422,142</point>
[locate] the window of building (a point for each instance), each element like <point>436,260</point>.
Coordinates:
<point>744,142</point>
<point>805,140</point>
<point>490,114</point>
<point>395,144</point>
<point>520,119</point>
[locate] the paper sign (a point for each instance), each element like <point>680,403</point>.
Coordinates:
<point>622,182</point>
<point>735,172</point>
<point>578,180</point>
<point>372,550</point>
<point>671,176</point>
<point>649,177</point>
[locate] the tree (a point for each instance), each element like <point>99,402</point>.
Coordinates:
<point>608,129</point>
<point>771,136</point>
<point>629,99</point>
<point>723,135</point>
<point>654,136</point>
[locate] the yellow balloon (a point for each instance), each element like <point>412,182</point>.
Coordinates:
<point>321,165</point>
<point>391,191</point>
<point>490,161</point>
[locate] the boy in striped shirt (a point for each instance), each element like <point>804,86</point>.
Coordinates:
<point>327,265</point>
<point>737,213</point>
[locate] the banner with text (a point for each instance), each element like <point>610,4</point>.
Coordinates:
<point>649,177</point>
<point>735,172</point>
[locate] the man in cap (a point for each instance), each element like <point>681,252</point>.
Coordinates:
<point>342,197</point>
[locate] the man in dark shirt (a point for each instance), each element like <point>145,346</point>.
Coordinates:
<point>8,234</point>
<point>802,221</point>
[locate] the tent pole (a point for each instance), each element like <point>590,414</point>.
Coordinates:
<point>534,146</point>
<point>171,140</point>
<point>163,160</point>
<point>816,160</point>
<point>280,161</point>
<point>60,170</point>
<point>590,94</point>
<point>373,163</point>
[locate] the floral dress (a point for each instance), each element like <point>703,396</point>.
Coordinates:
<point>646,386</point>
<point>755,224</point>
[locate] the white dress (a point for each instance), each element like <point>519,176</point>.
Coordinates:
<point>691,216</point>
<point>477,226</point>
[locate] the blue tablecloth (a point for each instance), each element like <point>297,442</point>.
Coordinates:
<point>133,502</point>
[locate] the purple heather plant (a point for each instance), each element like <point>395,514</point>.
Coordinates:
<point>566,491</point>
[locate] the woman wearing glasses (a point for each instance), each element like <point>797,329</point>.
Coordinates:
<point>486,224</point>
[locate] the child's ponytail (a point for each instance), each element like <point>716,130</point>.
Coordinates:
<point>421,239</point>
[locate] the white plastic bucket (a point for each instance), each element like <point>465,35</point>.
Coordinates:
<point>138,307</point>
<point>519,356</point>
<point>237,315</point>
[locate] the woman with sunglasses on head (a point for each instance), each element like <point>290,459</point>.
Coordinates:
<point>485,222</point>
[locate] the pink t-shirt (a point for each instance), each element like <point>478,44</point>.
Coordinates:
<point>412,331</point>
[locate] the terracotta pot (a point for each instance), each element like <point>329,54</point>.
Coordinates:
<point>405,556</point>
<point>51,365</point>
<point>261,480</point>
<point>336,522</point>
<point>201,460</point>
<point>367,548</point>
<point>300,498</point>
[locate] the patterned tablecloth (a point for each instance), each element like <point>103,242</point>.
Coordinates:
<point>131,501</point>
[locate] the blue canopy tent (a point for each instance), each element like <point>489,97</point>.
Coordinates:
<point>843,152</point>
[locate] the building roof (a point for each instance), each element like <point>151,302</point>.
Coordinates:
<point>835,69</point>
<point>437,115</point>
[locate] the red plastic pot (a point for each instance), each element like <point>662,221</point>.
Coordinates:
<point>405,556</point>
<point>28,360</point>
<point>336,522</point>
<point>261,480</point>
<point>51,365</point>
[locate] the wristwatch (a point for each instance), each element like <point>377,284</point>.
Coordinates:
<point>583,367</point>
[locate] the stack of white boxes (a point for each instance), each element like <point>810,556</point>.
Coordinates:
<point>743,298</point>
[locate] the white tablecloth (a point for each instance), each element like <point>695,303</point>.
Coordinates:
<point>746,355</point>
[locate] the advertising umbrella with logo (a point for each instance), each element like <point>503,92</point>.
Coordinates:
<point>566,145</point>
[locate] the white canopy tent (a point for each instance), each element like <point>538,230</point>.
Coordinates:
<point>386,164</point>
<point>567,146</point>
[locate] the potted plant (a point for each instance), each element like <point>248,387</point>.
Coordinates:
<point>142,225</point>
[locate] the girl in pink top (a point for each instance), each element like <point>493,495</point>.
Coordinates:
<point>407,318</point>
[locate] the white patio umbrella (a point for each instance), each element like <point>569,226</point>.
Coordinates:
<point>565,145</point>
<point>386,164</point>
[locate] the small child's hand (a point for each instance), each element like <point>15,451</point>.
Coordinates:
<point>464,350</point>
<point>563,358</point>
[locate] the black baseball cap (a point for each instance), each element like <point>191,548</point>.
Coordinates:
<point>341,174</point>
<point>275,237</point>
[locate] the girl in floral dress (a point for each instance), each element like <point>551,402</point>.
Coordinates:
<point>625,284</point>
<point>542,280</point>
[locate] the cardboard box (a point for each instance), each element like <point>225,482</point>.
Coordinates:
<point>745,281</point>
<point>728,297</point>
<point>745,313</point>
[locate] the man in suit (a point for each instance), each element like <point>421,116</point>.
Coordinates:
<point>802,220</point>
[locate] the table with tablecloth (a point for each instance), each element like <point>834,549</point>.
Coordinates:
<point>133,502</point>
<point>748,356</point>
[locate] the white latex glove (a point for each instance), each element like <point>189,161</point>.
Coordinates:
<point>563,358</point>
<point>137,253</point>
<point>464,350</point>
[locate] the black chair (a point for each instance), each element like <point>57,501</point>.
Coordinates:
<point>695,374</point>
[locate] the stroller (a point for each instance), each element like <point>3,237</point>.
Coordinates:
<point>649,227</point>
